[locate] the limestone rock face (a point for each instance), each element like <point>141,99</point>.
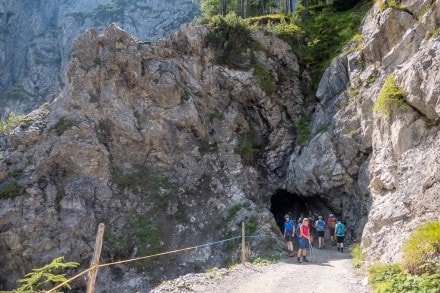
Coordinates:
<point>36,40</point>
<point>378,169</point>
<point>160,143</point>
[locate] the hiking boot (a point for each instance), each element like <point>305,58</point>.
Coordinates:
<point>342,250</point>
<point>299,260</point>
<point>291,254</point>
<point>339,249</point>
<point>305,259</point>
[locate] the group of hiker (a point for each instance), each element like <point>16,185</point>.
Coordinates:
<point>305,229</point>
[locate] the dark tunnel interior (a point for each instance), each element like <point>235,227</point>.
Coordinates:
<point>283,202</point>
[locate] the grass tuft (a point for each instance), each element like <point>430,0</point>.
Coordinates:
<point>390,96</point>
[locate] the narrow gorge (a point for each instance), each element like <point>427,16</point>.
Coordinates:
<point>170,146</point>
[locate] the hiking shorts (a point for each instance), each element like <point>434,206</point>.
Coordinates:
<point>303,243</point>
<point>321,234</point>
<point>288,237</point>
<point>340,239</point>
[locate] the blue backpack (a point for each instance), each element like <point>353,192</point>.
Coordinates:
<point>320,225</point>
<point>298,231</point>
<point>340,229</point>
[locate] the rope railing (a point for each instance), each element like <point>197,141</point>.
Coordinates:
<point>96,266</point>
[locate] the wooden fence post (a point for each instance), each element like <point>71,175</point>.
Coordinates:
<point>95,259</point>
<point>243,244</point>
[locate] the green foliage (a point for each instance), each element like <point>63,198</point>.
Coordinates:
<point>392,278</point>
<point>323,128</point>
<point>34,281</point>
<point>251,225</point>
<point>232,212</point>
<point>267,81</point>
<point>353,132</point>
<point>436,33</point>
<point>422,250</point>
<point>390,96</point>
<point>248,147</point>
<point>215,115</point>
<point>62,125</point>
<point>265,260</point>
<point>16,93</point>
<point>11,190</point>
<point>230,35</point>
<point>13,120</point>
<point>354,91</point>
<point>358,256</point>
<point>304,133</point>
<point>141,180</point>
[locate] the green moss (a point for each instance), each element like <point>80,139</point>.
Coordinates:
<point>62,125</point>
<point>354,91</point>
<point>436,33</point>
<point>390,96</point>
<point>11,190</point>
<point>422,250</point>
<point>304,133</point>
<point>232,212</point>
<point>353,132</point>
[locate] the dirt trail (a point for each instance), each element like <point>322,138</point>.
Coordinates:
<point>332,272</point>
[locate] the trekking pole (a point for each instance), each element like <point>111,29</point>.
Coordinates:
<point>312,253</point>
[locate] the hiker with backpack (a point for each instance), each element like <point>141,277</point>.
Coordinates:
<point>304,233</point>
<point>340,235</point>
<point>320,228</point>
<point>289,226</point>
<point>331,223</point>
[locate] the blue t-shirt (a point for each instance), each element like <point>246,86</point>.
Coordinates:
<point>288,226</point>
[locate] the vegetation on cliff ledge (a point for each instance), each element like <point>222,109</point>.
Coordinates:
<point>420,271</point>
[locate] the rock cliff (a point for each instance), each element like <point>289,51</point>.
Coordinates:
<point>36,40</point>
<point>170,149</point>
<point>155,140</point>
<point>381,151</point>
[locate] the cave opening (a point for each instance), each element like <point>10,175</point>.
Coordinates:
<point>283,202</point>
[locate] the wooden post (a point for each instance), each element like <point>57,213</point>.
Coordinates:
<point>243,244</point>
<point>95,259</point>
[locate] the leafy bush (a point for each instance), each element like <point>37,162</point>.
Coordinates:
<point>392,278</point>
<point>390,96</point>
<point>422,251</point>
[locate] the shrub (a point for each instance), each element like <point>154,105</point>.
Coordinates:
<point>11,190</point>
<point>390,96</point>
<point>267,81</point>
<point>358,256</point>
<point>62,125</point>
<point>230,35</point>
<point>248,147</point>
<point>304,133</point>
<point>13,120</point>
<point>392,278</point>
<point>422,250</point>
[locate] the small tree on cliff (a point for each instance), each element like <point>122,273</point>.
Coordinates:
<point>38,278</point>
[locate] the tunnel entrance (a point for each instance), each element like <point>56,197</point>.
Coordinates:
<point>283,202</point>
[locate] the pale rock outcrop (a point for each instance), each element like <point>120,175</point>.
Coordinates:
<point>148,138</point>
<point>391,161</point>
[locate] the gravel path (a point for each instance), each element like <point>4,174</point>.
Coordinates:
<point>332,272</point>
